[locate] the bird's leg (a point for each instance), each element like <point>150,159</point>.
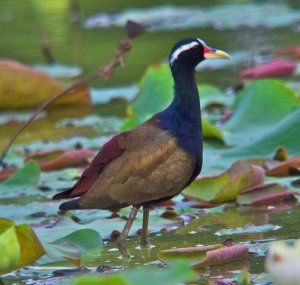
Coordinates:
<point>121,242</point>
<point>144,235</point>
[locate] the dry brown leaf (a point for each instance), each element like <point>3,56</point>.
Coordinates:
<point>22,87</point>
<point>59,159</point>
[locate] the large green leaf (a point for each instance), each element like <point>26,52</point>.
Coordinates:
<point>19,246</point>
<point>9,246</point>
<point>284,132</point>
<point>27,176</point>
<point>260,107</point>
<point>156,92</point>
<point>22,186</point>
<point>225,186</point>
<point>80,246</point>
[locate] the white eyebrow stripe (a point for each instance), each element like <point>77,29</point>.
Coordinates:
<point>202,42</point>
<point>177,52</point>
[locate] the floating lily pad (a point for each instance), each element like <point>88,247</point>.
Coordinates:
<point>225,187</point>
<point>264,193</point>
<point>19,246</point>
<point>266,115</point>
<point>281,133</point>
<point>81,247</point>
<point>260,107</point>
<point>23,182</point>
<point>204,256</point>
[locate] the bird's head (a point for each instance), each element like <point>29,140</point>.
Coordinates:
<point>190,52</point>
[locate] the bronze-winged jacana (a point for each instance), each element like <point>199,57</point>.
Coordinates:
<point>156,160</point>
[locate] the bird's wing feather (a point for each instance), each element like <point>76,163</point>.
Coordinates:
<point>110,151</point>
<point>151,167</point>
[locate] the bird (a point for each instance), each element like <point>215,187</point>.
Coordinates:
<point>156,160</point>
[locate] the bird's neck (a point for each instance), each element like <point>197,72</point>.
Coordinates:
<point>183,117</point>
<point>186,98</point>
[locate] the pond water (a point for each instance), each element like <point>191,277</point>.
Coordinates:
<point>24,26</point>
<point>77,37</point>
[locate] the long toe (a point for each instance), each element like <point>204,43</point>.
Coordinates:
<point>145,242</point>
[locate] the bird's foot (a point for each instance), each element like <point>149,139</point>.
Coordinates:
<point>122,245</point>
<point>144,242</point>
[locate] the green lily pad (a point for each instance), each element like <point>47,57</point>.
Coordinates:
<point>156,93</point>
<point>19,246</point>
<point>9,246</point>
<point>261,106</point>
<point>23,183</point>
<point>225,186</point>
<point>27,176</point>
<point>280,133</point>
<point>81,246</point>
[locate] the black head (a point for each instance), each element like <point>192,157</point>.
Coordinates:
<point>190,52</point>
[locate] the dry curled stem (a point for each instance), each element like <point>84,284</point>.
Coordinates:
<point>106,72</point>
